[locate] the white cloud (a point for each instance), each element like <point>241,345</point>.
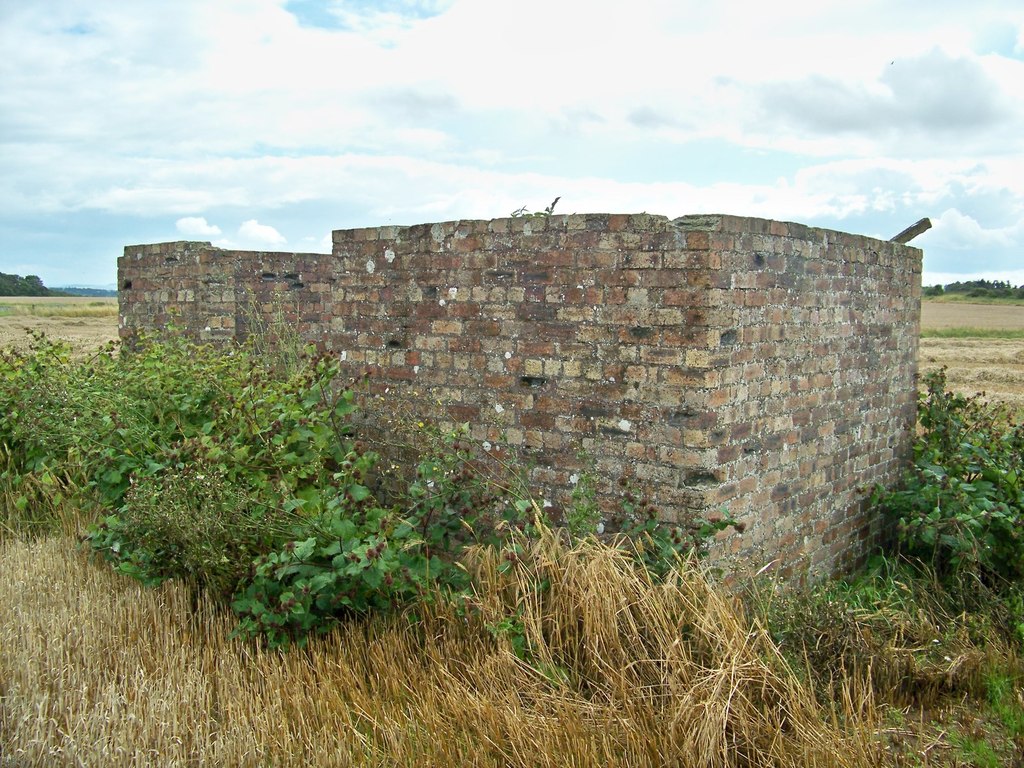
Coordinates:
<point>253,234</point>
<point>405,111</point>
<point>196,226</point>
<point>953,229</point>
<point>907,108</point>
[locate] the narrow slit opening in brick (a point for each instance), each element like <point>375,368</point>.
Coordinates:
<point>533,381</point>
<point>681,417</point>
<point>700,477</point>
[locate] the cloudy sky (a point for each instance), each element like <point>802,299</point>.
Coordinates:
<point>265,124</point>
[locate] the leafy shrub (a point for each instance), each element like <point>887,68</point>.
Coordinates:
<point>358,556</point>
<point>962,505</point>
<point>354,563</point>
<point>196,524</point>
<point>268,456</point>
<point>246,475</point>
<point>110,417</point>
<point>172,433</point>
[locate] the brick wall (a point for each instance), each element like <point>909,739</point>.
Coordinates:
<point>715,360</point>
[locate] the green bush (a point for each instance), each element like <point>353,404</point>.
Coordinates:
<point>961,508</point>
<point>110,417</point>
<point>358,556</point>
<point>196,524</point>
<point>243,477</point>
<point>246,476</point>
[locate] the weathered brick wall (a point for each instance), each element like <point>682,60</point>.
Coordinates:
<point>716,360</point>
<point>213,293</point>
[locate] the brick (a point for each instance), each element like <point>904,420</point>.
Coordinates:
<point>794,360</point>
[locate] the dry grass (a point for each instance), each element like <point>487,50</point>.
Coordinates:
<point>936,315</point>
<point>95,670</point>
<point>58,306</point>
<point>974,364</point>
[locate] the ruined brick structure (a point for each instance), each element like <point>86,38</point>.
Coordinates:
<point>762,366</point>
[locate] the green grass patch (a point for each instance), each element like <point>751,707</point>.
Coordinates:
<point>972,333</point>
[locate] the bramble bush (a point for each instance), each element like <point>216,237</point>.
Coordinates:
<point>360,556</point>
<point>961,507</point>
<point>248,478</point>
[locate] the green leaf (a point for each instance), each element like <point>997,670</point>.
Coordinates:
<point>342,527</point>
<point>331,549</point>
<point>304,549</point>
<point>359,492</point>
<point>373,577</point>
<point>294,503</point>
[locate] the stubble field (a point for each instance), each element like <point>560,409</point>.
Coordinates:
<point>975,363</point>
<point>86,323</point>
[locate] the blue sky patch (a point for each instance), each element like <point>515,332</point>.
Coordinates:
<point>338,14</point>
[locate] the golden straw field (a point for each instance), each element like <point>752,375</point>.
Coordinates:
<point>991,365</point>
<point>99,671</point>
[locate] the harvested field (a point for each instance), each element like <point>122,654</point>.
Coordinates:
<point>992,366</point>
<point>85,322</point>
<point>937,315</point>
<point>96,670</point>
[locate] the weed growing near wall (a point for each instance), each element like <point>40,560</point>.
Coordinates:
<point>248,477</point>
<point>255,484</point>
<point>962,505</point>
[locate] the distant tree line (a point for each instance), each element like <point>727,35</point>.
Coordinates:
<point>996,289</point>
<point>30,285</point>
